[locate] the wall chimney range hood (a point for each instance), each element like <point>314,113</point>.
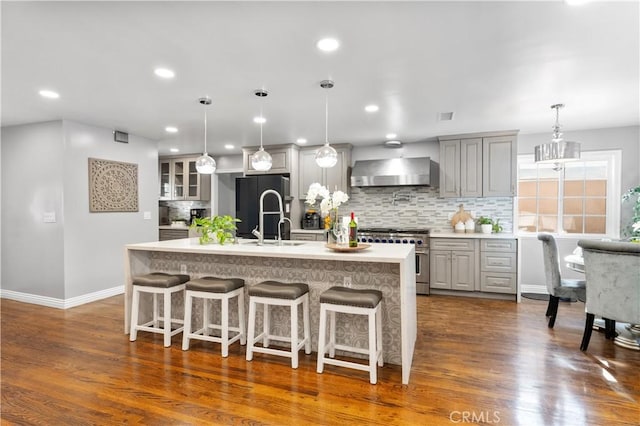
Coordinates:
<point>395,172</point>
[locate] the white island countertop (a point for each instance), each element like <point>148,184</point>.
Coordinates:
<point>389,253</point>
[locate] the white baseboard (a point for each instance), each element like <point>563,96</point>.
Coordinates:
<point>53,302</point>
<point>533,288</point>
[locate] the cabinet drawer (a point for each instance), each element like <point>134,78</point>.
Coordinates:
<point>498,262</point>
<point>498,282</point>
<point>451,244</point>
<point>498,245</point>
<point>303,236</point>
<point>173,234</point>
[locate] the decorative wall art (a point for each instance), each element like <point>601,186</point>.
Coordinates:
<point>113,186</point>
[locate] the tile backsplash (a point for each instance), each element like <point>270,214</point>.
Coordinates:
<point>181,210</point>
<point>420,207</point>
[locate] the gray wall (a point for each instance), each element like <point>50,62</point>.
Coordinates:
<point>82,252</point>
<point>32,183</point>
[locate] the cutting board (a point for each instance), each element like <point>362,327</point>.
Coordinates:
<point>461,216</point>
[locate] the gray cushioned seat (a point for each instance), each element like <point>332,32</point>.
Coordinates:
<point>160,279</point>
<point>215,284</point>
<point>351,297</point>
<point>278,290</point>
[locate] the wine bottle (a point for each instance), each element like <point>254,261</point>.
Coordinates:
<point>353,232</point>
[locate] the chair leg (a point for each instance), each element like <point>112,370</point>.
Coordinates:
<point>373,364</point>
<point>135,308</point>
<point>241,324</point>
<point>321,338</point>
<point>588,327</point>
<point>552,310</point>
<point>224,338</point>
<point>294,336</point>
<point>610,329</point>
<point>166,298</point>
<point>252,329</point>
<point>306,324</point>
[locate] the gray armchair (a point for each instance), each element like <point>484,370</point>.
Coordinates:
<point>613,274</point>
<point>557,286</point>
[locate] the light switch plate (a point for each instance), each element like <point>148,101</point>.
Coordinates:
<point>147,215</point>
<point>49,217</point>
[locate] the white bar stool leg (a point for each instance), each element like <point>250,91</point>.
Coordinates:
<point>332,334</point>
<point>266,325</point>
<point>166,297</point>
<point>252,329</point>
<point>241,324</point>
<point>225,327</point>
<point>321,337</point>
<point>306,322</point>
<point>205,316</point>
<point>373,348</point>
<point>188,301</point>
<point>135,308</point>
<point>379,331</point>
<point>294,336</point>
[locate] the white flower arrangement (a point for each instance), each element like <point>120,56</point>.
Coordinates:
<point>328,202</point>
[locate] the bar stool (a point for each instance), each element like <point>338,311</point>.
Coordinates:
<point>156,283</point>
<point>208,289</point>
<point>351,301</point>
<point>273,293</point>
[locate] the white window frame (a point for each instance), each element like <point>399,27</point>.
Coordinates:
<point>614,171</point>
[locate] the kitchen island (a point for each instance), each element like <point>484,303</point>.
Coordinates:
<point>388,268</point>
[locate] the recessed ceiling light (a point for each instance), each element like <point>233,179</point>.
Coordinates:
<point>164,73</point>
<point>174,150</point>
<point>49,94</point>
<point>301,140</point>
<point>328,44</point>
<point>445,116</point>
<point>171,129</point>
<point>391,136</point>
<point>229,146</point>
<point>371,108</point>
<point>393,144</point>
<point>259,120</point>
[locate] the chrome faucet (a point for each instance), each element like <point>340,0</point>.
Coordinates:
<point>259,231</point>
<point>281,222</point>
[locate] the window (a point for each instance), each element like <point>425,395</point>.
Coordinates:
<point>581,199</point>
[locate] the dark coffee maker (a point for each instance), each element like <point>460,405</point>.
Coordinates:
<point>197,214</point>
<point>311,220</point>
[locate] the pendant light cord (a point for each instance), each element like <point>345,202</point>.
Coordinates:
<point>205,129</point>
<point>261,123</point>
<point>326,118</point>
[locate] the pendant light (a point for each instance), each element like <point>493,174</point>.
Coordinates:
<point>261,160</point>
<point>326,156</point>
<point>558,151</point>
<point>205,164</point>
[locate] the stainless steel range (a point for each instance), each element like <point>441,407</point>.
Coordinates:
<point>418,237</point>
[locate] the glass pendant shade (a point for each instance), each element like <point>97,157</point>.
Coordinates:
<point>326,156</point>
<point>205,164</point>
<point>261,160</point>
<point>557,151</point>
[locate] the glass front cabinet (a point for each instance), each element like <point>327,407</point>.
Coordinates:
<point>179,180</point>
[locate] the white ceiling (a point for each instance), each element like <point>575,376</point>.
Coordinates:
<point>498,66</point>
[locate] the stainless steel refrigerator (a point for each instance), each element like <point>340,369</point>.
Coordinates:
<point>248,191</point>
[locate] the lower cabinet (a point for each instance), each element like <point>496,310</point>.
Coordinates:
<point>474,264</point>
<point>308,236</point>
<point>452,264</point>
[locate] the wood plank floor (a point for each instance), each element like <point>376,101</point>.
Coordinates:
<point>476,361</point>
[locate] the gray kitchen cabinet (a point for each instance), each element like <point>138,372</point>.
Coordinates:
<point>308,236</point>
<point>179,180</point>
<point>478,165</point>
<point>499,159</point>
<point>334,178</point>
<point>498,266</point>
<point>452,264</point>
<point>284,159</point>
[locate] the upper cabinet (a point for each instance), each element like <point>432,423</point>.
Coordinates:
<point>179,180</point>
<point>478,165</point>
<point>284,159</point>
<point>337,177</point>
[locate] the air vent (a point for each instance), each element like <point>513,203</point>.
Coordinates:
<point>445,116</point>
<point>119,136</point>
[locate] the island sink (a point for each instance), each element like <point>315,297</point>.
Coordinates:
<point>273,243</point>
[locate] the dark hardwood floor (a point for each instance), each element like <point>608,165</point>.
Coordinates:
<point>476,361</point>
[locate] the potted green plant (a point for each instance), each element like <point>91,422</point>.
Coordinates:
<point>632,231</point>
<point>486,224</point>
<point>497,227</point>
<point>215,229</point>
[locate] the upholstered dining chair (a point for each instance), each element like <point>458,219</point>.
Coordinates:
<point>557,286</point>
<point>613,292</point>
